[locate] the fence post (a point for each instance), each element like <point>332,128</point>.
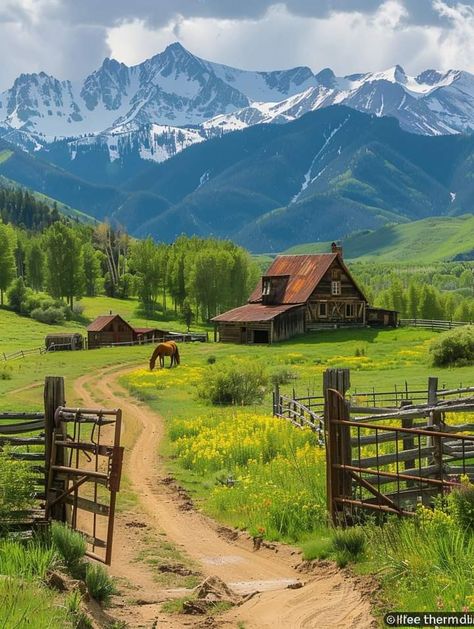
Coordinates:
<point>276,399</point>
<point>53,398</point>
<point>436,421</point>
<point>338,441</point>
<point>432,400</point>
<point>408,441</point>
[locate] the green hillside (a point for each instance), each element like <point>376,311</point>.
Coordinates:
<point>34,173</point>
<point>424,241</point>
<point>65,209</point>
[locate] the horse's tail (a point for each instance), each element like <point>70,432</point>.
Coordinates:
<point>176,355</point>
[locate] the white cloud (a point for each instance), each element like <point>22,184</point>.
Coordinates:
<point>346,41</point>
<point>457,44</point>
<point>69,38</point>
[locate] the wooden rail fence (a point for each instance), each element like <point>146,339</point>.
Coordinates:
<point>386,451</point>
<point>21,353</point>
<point>433,324</point>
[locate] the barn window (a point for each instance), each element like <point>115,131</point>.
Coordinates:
<point>335,274</point>
<point>350,311</point>
<point>323,309</point>
<point>335,288</point>
<point>267,285</point>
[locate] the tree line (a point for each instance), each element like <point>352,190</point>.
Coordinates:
<point>194,277</point>
<point>438,291</point>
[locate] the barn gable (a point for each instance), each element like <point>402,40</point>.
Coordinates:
<point>298,293</point>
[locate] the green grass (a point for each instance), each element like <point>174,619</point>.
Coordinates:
<point>18,332</point>
<point>99,585</point>
<point>24,599</point>
<point>24,604</point>
<point>424,241</point>
<point>171,567</point>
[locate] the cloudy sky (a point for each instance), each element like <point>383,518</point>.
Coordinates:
<point>70,38</point>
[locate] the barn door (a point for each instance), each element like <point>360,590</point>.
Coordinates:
<point>84,474</point>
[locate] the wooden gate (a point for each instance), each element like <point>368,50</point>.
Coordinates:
<point>389,459</point>
<point>386,451</point>
<point>76,464</point>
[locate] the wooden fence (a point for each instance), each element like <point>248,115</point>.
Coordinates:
<point>387,451</point>
<point>433,324</point>
<point>21,353</point>
<point>75,462</point>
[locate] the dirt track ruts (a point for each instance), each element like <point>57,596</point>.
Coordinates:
<point>327,599</point>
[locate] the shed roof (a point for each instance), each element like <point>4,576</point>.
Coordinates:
<point>304,271</point>
<point>102,321</point>
<point>253,312</point>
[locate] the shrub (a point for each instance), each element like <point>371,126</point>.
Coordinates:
<point>211,360</point>
<point>70,545</point>
<point>455,347</point>
<point>77,309</point>
<point>462,501</point>
<point>348,544</point>
<point>50,316</point>
<point>239,383</point>
<point>99,584</point>
<point>283,376</point>
<point>18,295</point>
<point>5,373</point>
<point>16,494</point>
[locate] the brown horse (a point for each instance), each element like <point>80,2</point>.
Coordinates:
<point>165,349</point>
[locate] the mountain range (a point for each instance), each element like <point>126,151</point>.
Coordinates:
<point>178,144</point>
<point>153,110</point>
<point>325,175</point>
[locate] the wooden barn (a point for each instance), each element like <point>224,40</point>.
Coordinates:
<point>299,293</point>
<point>112,329</point>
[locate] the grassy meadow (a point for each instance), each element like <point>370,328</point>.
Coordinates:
<point>257,473</point>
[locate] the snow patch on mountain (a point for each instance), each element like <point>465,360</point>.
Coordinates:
<point>175,99</point>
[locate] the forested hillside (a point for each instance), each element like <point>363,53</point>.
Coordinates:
<point>48,260</point>
<point>324,176</point>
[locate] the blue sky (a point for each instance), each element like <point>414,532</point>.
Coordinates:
<point>70,38</point>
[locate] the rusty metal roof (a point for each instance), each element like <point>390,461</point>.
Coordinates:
<point>101,322</point>
<point>253,312</point>
<point>305,272</point>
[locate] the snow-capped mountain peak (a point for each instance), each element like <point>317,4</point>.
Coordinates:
<point>175,98</point>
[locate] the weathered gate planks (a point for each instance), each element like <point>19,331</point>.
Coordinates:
<point>76,463</point>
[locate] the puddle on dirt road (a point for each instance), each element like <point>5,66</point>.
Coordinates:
<point>248,587</point>
<point>222,560</point>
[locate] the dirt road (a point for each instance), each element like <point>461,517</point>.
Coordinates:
<point>327,599</point>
